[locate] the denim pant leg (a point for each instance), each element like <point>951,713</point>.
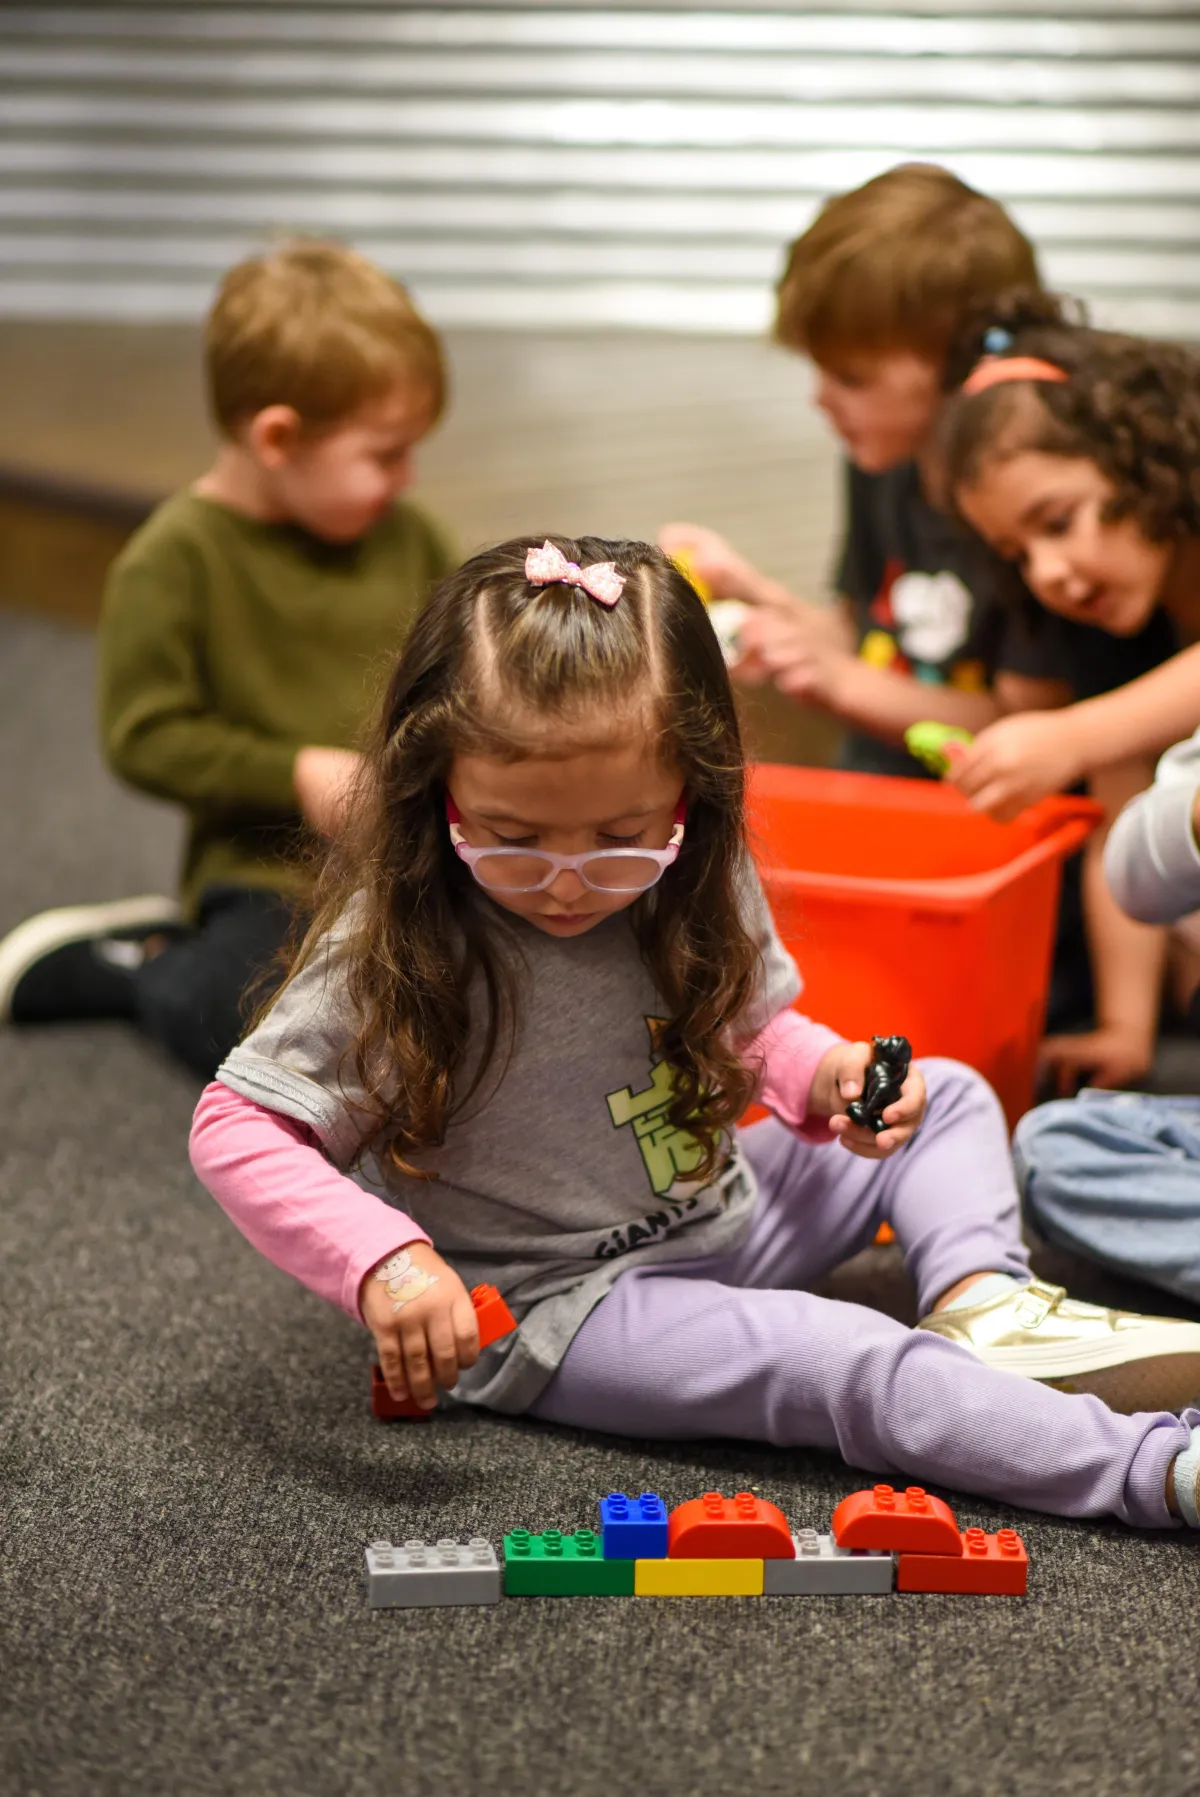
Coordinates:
<point>1117,1176</point>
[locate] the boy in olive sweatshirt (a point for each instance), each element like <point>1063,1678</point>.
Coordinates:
<point>244,631</point>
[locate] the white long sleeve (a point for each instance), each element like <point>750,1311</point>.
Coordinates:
<point>1151,858</point>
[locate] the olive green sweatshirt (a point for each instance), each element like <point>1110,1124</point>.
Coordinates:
<point>226,645</point>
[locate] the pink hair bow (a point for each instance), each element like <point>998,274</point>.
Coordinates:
<point>548,565</point>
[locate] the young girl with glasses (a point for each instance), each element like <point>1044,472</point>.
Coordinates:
<point>541,987</point>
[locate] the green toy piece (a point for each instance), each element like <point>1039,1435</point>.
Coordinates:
<point>926,743</point>
<point>558,1565</point>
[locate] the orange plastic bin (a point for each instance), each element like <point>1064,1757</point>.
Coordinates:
<point>909,912</point>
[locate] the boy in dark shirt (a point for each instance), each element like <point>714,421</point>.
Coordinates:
<point>874,294</point>
<point>926,602</point>
<point>245,628</point>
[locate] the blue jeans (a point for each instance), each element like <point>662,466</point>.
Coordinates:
<point>1116,1175</point>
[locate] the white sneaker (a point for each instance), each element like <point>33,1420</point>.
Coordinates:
<point>48,931</point>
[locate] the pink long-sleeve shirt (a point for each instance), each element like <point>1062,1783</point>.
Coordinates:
<point>271,1175</point>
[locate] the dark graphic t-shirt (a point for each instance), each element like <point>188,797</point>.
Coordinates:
<point>931,601</point>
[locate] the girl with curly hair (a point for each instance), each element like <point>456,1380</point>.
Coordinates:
<point>1085,472</point>
<point>541,988</point>
<point>1076,454</point>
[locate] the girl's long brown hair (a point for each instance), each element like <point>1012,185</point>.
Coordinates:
<point>492,666</point>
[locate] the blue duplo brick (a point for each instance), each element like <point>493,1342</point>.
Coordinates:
<point>633,1528</point>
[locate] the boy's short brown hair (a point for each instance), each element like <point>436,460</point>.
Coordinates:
<point>314,325</point>
<point>899,264</point>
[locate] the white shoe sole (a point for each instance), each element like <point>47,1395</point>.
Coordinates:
<point>49,930</point>
<point>1160,1370</point>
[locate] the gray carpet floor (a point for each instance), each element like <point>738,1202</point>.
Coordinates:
<point>190,1473</point>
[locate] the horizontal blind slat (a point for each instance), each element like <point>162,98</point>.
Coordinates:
<point>533,75</point>
<point>1080,29</point>
<point>579,212</point>
<point>647,124</point>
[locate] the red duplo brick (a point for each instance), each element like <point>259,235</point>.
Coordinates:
<point>989,1565</point>
<point>897,1522</point>
<point>384,1405</point>
<point>492,1315</point>
<point>713,1527</point>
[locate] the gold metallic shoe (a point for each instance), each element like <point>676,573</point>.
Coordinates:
<point>1131,1362</point>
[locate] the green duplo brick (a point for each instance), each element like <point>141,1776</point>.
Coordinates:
<point>554,1565</point>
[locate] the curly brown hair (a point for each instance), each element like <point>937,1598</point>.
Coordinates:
<point>1130,405</point>
<point>489,660</point>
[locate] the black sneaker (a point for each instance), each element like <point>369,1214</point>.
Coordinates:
<point>77,962</point>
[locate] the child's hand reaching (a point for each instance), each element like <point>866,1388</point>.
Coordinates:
<point>1017,760</point>
<point>839,1078</point>
<point>323,779</point>
<point>791,646</point>
<point>1113,1057</point>
<point>423,1321</point>
<point>717,563</point>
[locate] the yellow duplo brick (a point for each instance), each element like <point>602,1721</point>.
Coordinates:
<point>697,1578</point>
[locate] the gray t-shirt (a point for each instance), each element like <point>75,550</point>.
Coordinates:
<point>562,1170</point>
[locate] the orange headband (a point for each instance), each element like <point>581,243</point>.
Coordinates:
<point>994,369</point>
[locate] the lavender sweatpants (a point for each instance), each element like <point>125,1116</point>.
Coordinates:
<point>733,1345</point>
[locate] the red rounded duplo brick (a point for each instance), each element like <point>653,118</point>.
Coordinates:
<point>897,1522</point>
<point>744,1527</point>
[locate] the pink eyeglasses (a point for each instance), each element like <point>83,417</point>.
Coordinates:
<point>532,870</point>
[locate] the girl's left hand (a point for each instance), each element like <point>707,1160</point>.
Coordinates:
<point>1018,760</point>
<point>839,1078</point>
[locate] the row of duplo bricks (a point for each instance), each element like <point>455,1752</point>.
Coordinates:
<point>881,1540</point>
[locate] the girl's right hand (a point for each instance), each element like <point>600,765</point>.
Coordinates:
<point>423,1321</point>
<point>1018,760</point>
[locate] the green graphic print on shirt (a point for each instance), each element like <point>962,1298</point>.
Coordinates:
<point>670,1153</point>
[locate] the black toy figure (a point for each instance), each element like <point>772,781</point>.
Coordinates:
<point>885,1076</point>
